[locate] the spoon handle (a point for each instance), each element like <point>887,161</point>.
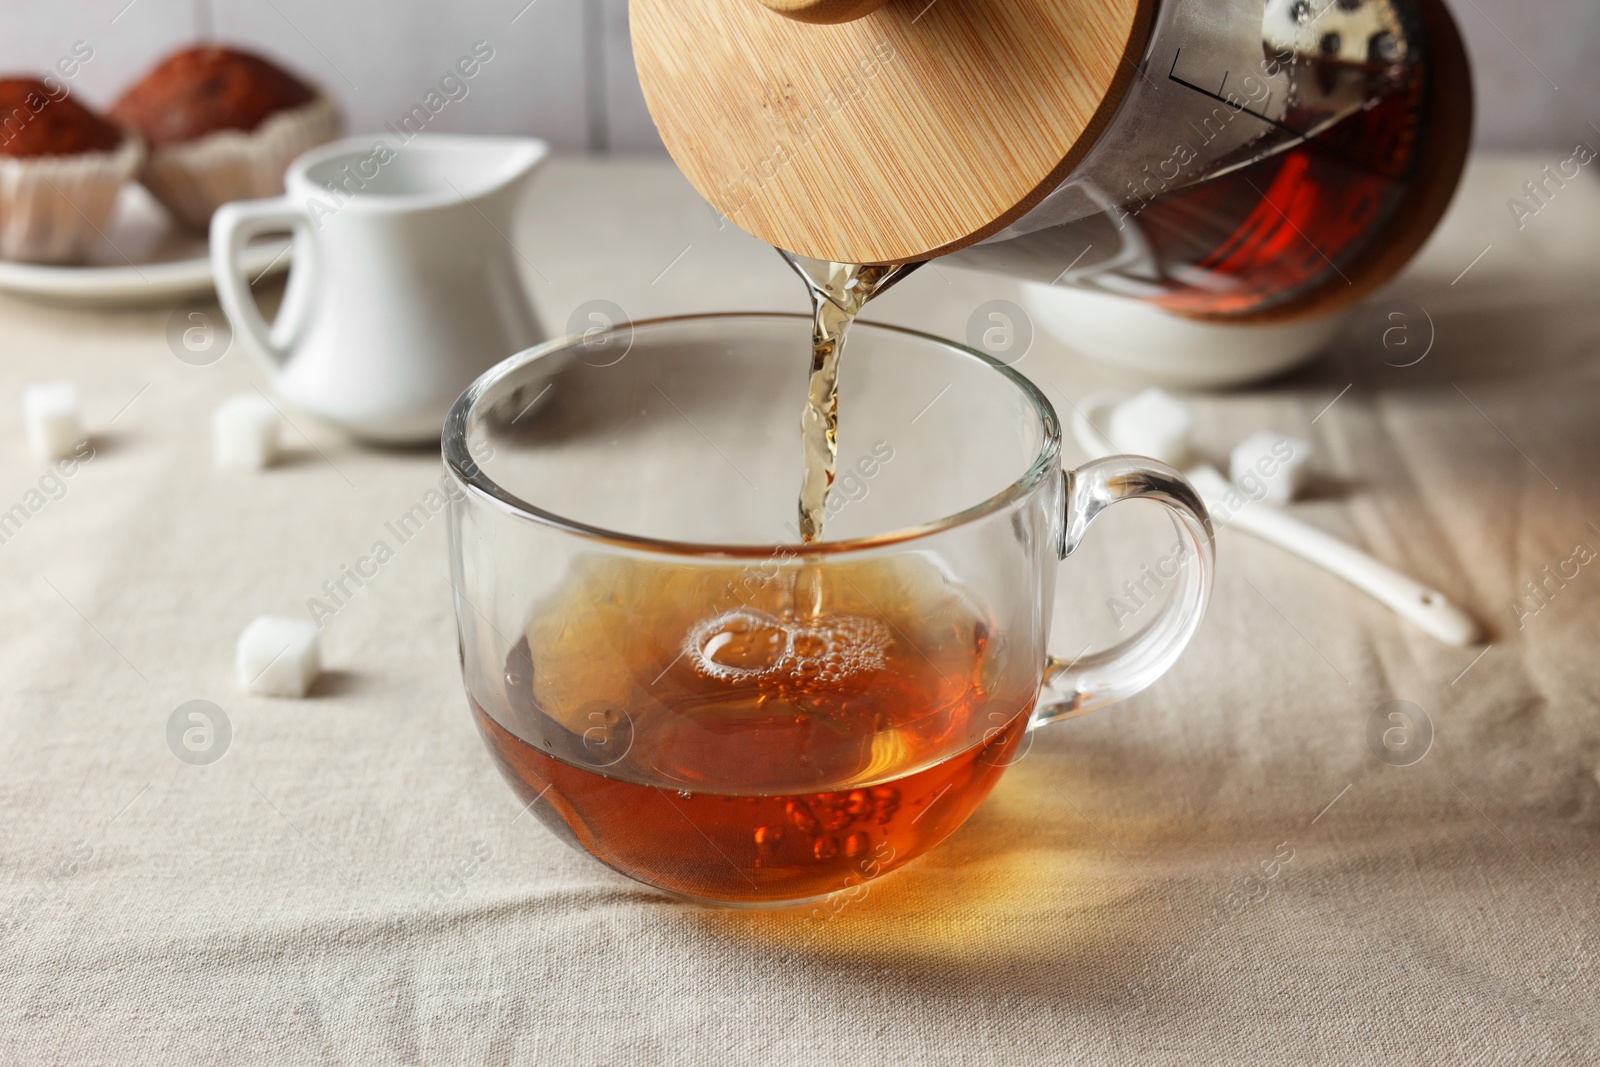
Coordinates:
<point>1427,608</point>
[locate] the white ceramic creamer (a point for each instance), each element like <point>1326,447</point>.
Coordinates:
<point>406,284</point>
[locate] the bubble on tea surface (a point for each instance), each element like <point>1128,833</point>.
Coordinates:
<point>833,649</point>
<point>738,645</point>
<point>743,645</point>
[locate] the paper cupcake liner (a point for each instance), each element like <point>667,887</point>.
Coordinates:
<point>54,208</point>
<point>196,177</point>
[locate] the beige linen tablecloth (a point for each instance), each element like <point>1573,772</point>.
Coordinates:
<point>1222,869</point>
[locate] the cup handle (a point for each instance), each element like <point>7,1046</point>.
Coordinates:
<point>1095,680</point>
<point>232,228</point>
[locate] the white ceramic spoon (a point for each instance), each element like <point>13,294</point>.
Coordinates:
<point>1428,608</point>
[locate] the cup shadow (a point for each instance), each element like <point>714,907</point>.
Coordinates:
<point>1032,892</point>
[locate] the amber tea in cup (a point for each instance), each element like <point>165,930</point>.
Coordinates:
<point>696,723</point>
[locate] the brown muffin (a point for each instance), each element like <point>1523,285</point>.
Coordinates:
<point>61,167</point>
<point>34,122</point>
<point>222,125</point>
<point>204,90</point>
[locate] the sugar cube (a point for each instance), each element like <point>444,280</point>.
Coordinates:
<point>51,415</point>
<point>1153,424</point>
<point>244,432</point>
<point>278,657</point>
<point>1270,466</point>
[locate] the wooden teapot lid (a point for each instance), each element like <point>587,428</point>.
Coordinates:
<point>905,133</point>
<point>825,12</point>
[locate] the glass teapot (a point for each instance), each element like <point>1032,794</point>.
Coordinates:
<point>1229,159</point>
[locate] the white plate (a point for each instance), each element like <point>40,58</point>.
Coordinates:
<point>143,258</point>
<point>1150,345</point>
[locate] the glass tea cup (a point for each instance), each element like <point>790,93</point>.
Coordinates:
<point>674,684</point>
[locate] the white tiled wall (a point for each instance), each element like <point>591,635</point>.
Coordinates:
<point>562,68</point>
